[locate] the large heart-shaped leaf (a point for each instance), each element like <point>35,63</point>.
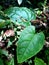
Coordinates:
<point>29,44</point>
<point>22,15</point>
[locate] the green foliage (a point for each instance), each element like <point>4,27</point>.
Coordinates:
<point>26,3</point>
<point>4,23</point>
<point>19,40</point>
<point>39,61</point>
<point>0,7</point>
<point>47,55</point>
<point>11,62</point>
<point>29,44</point>
<point>1,61</point>
<point>4,52</point>
<point>22,15</point>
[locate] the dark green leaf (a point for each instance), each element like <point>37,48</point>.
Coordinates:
<point>1,62</point>
<point>0,7</point>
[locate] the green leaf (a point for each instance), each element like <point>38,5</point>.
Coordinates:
<point>1,61</point>
<point>3,52</point>
<point>9,43</point>
<point>29,44</point>
<point>0,7</point>
<point>22,15</point>
<point>47,55</point>
<point>39,61</point>
<point>4,23</point>
<point>11,62</point>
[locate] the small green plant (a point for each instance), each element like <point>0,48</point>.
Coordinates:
<point>24,36</point>
<point>29,43</point>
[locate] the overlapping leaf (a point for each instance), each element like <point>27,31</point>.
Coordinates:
<point>22,15</point>
<point>29,44</point>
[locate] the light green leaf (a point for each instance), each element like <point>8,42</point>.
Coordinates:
<point>3,52</point>
<point>29,44</point>
<point>10,62</point>
<point>39,61</point>
<point>9,43</point>
<point>21,15</point>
